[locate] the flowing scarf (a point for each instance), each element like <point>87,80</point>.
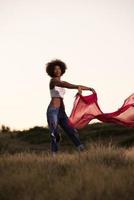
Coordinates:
<point>86,108</point>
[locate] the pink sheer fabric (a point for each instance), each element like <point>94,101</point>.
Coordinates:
<point>86,108</point>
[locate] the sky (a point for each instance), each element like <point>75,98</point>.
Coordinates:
<point>93,37</point>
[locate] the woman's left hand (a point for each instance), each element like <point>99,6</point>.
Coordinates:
<point>79,90</point>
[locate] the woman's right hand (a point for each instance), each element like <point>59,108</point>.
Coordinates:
<point>91,89</point>
<point>81,87</point>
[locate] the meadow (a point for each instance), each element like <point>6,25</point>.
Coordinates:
<point>104,171</point>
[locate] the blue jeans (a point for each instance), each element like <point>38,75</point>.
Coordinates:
<point>55,117</point>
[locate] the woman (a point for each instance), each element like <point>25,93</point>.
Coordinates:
<point>56,114</point>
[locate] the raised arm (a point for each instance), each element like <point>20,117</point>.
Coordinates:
<point>68,85</point>
<point>62,84</point>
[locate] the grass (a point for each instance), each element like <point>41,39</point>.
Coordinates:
<point>100,173</point>
<point>104,171</point>
<point>36,139</point>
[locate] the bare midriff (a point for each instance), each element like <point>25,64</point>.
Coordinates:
<point>57,102</point>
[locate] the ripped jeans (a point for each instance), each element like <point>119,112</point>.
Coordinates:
<point>55,117</point>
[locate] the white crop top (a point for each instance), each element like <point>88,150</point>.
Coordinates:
<point>57,92</point>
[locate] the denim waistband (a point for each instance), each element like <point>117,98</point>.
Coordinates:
<point>56,108</point>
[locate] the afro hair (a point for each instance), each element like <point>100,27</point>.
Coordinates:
<point>51,65</point>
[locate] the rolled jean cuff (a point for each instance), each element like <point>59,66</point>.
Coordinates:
<point>80,147</point>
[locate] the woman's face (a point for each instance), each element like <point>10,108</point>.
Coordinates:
<point>57,71</point>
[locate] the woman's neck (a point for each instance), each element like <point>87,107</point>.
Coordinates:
<point>57,78</point>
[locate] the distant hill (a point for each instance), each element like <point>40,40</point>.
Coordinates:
<point>37,138</point>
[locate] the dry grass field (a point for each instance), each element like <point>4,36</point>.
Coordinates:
<point>99,173</point>
<point>104,171</point>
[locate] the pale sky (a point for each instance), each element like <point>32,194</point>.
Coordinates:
<point>94,37</point>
